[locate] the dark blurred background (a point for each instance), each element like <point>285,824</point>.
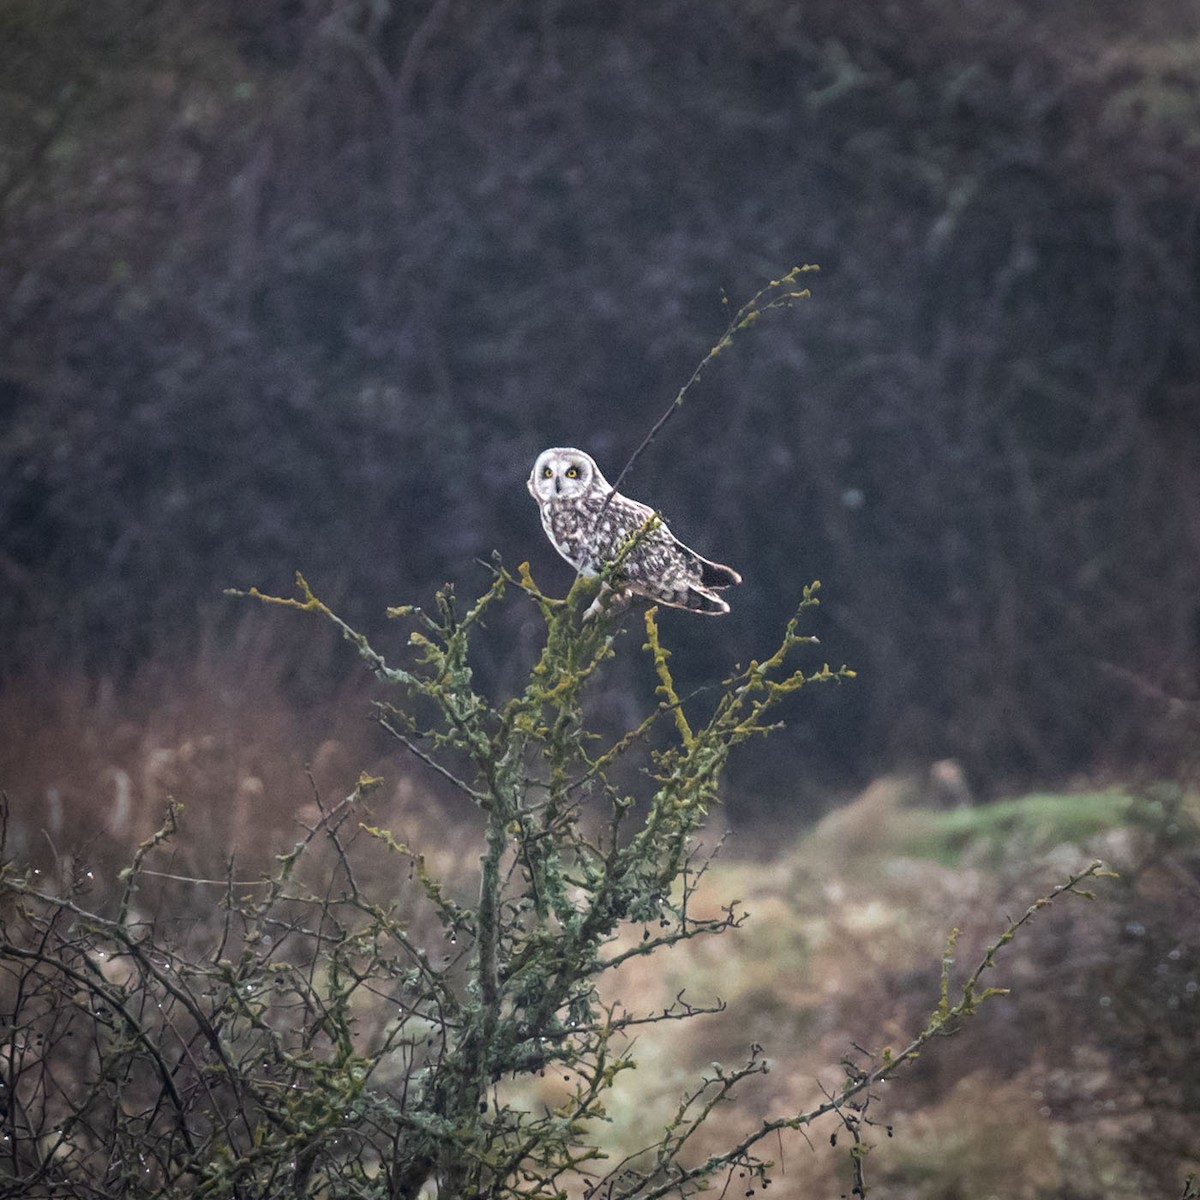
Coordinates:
<point>308,284</point>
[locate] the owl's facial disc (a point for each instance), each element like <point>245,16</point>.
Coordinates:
<point>562,471</point>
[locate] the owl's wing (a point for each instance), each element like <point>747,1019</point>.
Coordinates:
<point>614,522</point>
<point>665,570</point>
<point>659,566</point>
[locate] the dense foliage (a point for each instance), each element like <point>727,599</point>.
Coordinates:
<point>309,283</point>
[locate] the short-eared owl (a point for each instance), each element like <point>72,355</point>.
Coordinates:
<point>571,491</point>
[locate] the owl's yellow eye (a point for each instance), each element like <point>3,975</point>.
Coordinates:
<point>572,472</point>
<point>547,472</point>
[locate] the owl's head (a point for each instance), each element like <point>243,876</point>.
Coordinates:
<point>566,472</point>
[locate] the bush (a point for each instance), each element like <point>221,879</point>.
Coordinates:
<point>325,1037</point>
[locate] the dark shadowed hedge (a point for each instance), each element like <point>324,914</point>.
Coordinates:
<point>311,287</point>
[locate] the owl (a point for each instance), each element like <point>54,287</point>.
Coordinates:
<point>571,494</point>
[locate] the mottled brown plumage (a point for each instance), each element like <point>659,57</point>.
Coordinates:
<point>589,533</point>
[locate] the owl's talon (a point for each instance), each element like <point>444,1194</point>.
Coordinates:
<point>609,600</point>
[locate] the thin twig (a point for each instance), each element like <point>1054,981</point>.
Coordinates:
<point>779,293</point>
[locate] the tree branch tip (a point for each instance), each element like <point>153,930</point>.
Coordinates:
<point>366,784</point>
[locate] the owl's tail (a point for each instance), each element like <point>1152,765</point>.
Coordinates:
<point>701,596</point>
<point>716,575</point>
<point>701,600</point>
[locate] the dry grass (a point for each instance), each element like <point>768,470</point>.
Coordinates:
<point>1040,1097</point>
<point>88,767</point>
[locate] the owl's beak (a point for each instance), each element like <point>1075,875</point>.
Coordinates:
<point>558,485</point>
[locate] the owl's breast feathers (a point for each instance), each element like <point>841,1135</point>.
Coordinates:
<point>588,534</point>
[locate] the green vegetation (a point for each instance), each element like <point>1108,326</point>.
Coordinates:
<point>988,833</point>
<point>1039,821</point>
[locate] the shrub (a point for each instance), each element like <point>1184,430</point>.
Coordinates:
<point>321,1039</point>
